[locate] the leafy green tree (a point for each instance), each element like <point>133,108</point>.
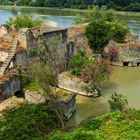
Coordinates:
<point>80,4</point>
<point>98,34</point>
<point>45,71</point>
<point>77,62</point>
<point>94,13</point>
<point>118,31</point>
<point>133,7</point>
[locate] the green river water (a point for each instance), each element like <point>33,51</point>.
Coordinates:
<point>124,80</point>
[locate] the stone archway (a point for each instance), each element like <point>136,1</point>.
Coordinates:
<point>19,94</point>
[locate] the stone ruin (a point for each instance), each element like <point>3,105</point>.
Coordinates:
<point>15,46</point>
<point>128,52</point>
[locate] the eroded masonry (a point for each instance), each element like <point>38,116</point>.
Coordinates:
<point>14,46</point>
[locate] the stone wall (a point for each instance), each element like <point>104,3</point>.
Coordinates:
<point>68,105</point>
<point>3,30</point>
<point>9,86</point>
<point>75,85</point>
<point>67,102</point>
<point>21,59</point>
<point>70,41</point>
<point>129,56</point>
<point>128,53</point>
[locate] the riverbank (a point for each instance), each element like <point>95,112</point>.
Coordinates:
<point>124,14</point>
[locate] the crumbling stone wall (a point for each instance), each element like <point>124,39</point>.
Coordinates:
<point>21,59</point>
<point>128,53</point>
<point>75,85</point>
<point>9,86</point>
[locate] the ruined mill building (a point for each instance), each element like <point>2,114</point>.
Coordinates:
<point>14,46</point>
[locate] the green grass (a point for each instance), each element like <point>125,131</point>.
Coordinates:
<point>28,122</point>
<point>32,86</point>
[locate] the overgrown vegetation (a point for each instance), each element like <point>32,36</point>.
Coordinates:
<point>130,5</point>
<point>118,31</point>
<point>77,62</point>
<point>91,71</point>
<point>24,22</point>
<point>118,102</point>
<point>113,52</point>
<point>111,126</point>
<point>102,27</point>
<point>98,34</point>
<point>27,122</point>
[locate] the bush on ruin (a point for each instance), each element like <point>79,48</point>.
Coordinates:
<point>24,22</point>
<point>113,52</point>
<point>95,73</point>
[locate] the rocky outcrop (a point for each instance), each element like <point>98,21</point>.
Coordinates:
<point>75,85</point>
<point>34,97</point>
<point>67,103</point>
<point>9,86</point>
<point>11,103</point>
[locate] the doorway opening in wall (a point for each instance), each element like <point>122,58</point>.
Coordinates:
<point>125,63</point>
<point>138,64</point>
<point>19,94</point>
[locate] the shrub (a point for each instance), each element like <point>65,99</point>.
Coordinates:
<point>113,52</point>
<point>118,102</point>
<point>24,22</point>
<point>77,62</point>
<point>25,78</point>
<point>118,31</point>
<point>94,74</point>
<point>98,34</point>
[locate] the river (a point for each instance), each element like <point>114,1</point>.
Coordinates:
<point>124,80</point>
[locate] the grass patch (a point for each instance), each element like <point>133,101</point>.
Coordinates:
<point>28,122</point>
<point>32,86</point>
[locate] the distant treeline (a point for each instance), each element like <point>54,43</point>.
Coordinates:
<point>128,5</point>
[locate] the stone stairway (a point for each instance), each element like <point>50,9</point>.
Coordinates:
<point>8,60</point>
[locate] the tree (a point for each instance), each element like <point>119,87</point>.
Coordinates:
<point>46,77</point>
<point>118,31</point>
<point>98,34</point>
<point>45,68</point>
<point>95,13</point>
<point>77,62</point>
<point>95,73</point>
<point>133,7</point>
<point>118,102</point>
